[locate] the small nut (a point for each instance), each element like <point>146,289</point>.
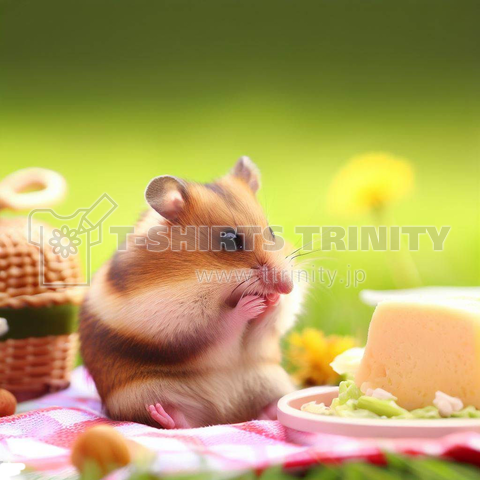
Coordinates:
<point>101,445</point>
<point>8,403</point>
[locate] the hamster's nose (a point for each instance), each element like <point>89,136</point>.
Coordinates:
<point>280,280</point>
<point>284,285</point>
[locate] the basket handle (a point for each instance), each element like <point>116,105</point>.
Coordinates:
<point>52,189</point>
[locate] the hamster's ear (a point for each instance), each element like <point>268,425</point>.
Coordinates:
<point>247,171</point>
<point>166,195</point>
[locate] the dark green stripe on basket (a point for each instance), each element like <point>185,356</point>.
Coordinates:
<point>39,322</point>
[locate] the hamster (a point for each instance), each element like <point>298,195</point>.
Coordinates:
<point>167,348</point>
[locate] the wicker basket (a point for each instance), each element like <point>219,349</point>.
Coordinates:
<point>38,351</point>
<point>34,366</point>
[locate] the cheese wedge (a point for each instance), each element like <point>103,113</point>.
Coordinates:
<point>418,346</point>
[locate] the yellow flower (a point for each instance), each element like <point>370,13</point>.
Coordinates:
<point>311,352</point>
<point>370,182</point>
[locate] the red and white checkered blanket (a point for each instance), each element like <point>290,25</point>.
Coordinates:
<point>41,438</point>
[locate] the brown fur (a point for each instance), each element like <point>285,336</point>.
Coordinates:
<point>152,333</point>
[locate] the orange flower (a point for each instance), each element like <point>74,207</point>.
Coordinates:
<point>310,353</point>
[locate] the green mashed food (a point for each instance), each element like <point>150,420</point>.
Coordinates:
<point>351,402</point>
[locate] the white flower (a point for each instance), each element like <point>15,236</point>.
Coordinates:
<point>65,241</point>
<point>347,363</point>
<point>380,393</point>
<point>3,326</point>
<point>446,404</point>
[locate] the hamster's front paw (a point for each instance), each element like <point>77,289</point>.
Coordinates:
<point>248,308</point>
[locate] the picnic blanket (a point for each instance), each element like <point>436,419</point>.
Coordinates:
<point>42,435</point>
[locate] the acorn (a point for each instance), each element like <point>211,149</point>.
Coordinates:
<point>8,403</point>
<point>102,446</point>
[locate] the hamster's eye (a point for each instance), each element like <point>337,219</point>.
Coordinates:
<point>231,241</point>
<point>271,232</point>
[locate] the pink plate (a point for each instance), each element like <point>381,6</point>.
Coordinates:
<point>290,415</point>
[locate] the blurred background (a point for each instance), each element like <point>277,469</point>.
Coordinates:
<point>112,93</point>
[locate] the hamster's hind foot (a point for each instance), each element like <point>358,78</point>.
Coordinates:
<point>269,412</point>
<point>161,416</point>
<point>174,419</point>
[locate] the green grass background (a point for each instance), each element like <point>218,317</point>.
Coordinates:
<point>111,93</point>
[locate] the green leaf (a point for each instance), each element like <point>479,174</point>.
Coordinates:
<point>275,473</point>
